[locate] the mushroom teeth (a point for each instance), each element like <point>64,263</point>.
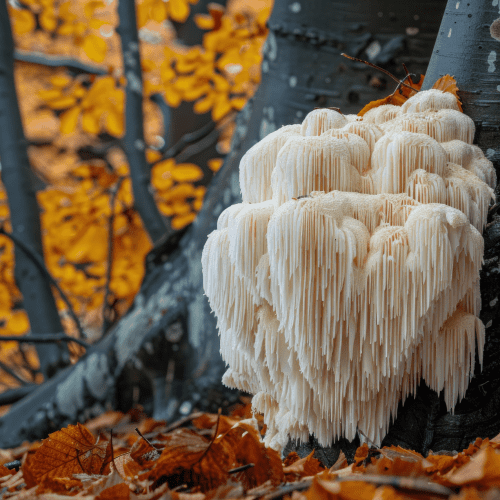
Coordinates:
<point>313,163</point>
<point>351,269</point>
<point>382,114</point>
<point>359,150</point>
<point>430,100</point>
<point>319,120</point>
<point>258,162</point>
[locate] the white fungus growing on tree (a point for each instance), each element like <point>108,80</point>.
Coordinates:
<point>351,269</point>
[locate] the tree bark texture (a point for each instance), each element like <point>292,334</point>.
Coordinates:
<point>17,178</point>
<point>133,141</point>
<point>466,47</point>
<point>170,327</point>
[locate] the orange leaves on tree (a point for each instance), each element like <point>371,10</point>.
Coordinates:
<point>222,74</point>
<point>76,228</point>
<point>215,164</point>
<point>99,107</point>
<point>91,7</point>
<point>212,20</point>
<point>176,195</point>
<point>23,21</point>
<point>159,11</point>
<point>95,47</point>
<point>57,18</point>
<point>66,452</point>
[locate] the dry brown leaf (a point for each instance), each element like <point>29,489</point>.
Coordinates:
<point>192,459</point>
<point>307,466</point>
<point>95,484</point>
<point>482,470</point>
<point>63,485</point>
<point>6,472</point>
<point>117,492</point>
<point>66,452</point>
<point>442,464</point>
<point>291,458</point>
<point>341,463</point>
<point>209,420</point>
<point>248,448</point>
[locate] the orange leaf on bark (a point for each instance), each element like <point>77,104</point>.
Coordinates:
<point>397,98</point>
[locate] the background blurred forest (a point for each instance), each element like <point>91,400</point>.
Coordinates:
<point>200,63</point>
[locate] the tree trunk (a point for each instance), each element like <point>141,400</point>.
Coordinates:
<point>466,47</point>
<point>17,178</point>
<point>133,141</point>
<point>170,327</point>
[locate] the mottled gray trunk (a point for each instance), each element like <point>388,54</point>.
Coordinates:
<point>17,178</point>
<point>467,47</point>
<point>133,140</point>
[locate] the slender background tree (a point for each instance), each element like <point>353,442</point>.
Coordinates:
<point>18,179</point>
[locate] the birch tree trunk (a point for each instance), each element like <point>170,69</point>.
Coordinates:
<point>18,178</point>
<point>467,47</point>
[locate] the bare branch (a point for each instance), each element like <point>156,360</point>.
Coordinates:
<point>47,338</point>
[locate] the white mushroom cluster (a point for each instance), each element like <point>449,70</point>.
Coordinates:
<point>351,269</point>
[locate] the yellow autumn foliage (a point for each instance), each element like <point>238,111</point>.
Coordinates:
<point>78,212</point>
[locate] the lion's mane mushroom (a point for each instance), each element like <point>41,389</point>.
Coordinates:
<point>358,274</point>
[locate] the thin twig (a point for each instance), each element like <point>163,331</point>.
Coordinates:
<point>408,76</point>
<point>287,489</point>
<point>189,138</point>
<point>57,61</point>
<point>12,373</point>
<point>46,338</point>
<point>145,438</point>
<point>38,260</point>
<point>113,455</point>
<point>182,421</point>
<point>25,362</point>
<point>205,142</point>
<point>416,485</point>
<point>196,148</point>
<point>13,465</point>
<point>368,439</point>
<point>380,69</point>
<point>240,469</point>
<point>105,305</point>
<point>78,460</point>
<point>212,441</point>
